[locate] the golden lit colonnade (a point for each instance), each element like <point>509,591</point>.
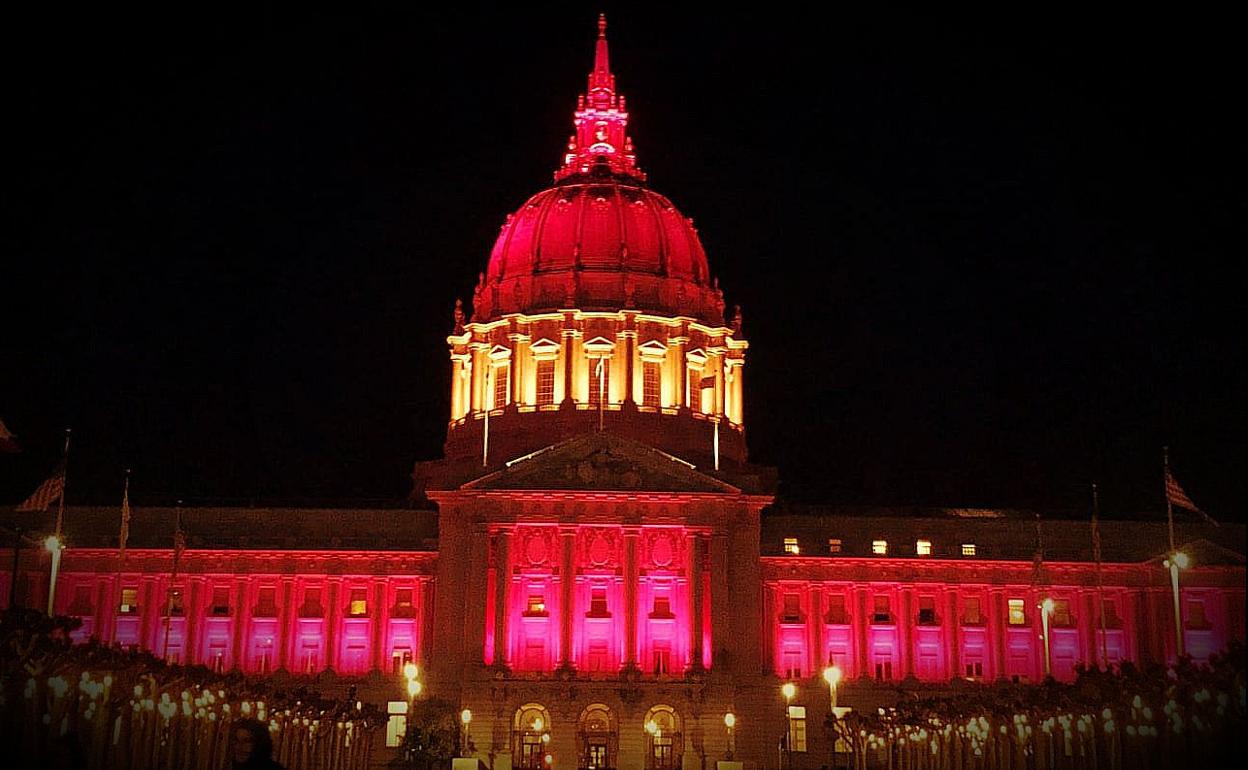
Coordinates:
<point>568,358</point>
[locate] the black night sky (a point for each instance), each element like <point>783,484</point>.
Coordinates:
<point>234,241</point>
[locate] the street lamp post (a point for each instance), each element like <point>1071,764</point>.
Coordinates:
<point>54,546</point>
<point>1176,562</point>
<point>730,722</point>
<point>1046,608</point>
<point>414,687</point>
<point>465,718</point>
<point>832,675</point>
<point>788,690</point>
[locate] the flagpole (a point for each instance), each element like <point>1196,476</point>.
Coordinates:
<point>60,504</point>
<point>1165,486</point>
<point>173,576</point>
<point>1100,583</point>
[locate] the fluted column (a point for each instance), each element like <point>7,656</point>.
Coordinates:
<point>567,582</point>
<point>631,535</point>
<point>333,614</point>
<point>696,559</point>
<point>861,619</point>
<point>952,628</point>
<point>474,601</point>
<point>286,631</point>
<point>193,615</point>
<point>566,355</point>
<point>381,612</point>
<point>521,361</point>
<point>719,598</point>
<point>814,625</point>
<point>502,583</point>
<point>242,621</point>
<point>457,388</point>
<point>905,626</point>
<point>997,618</point>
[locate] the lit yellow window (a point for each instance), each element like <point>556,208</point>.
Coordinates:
<point>791,546</point>
<point>923,547</point>
<point>129,601</point>
<point>537,605</point>
<point>359,602</point>
<point>968,549</point>
<point>1018,617</point>
<point>879,547</point>
<point>834,545</point>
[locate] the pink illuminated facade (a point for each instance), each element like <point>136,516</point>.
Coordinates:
<point>595,553</point>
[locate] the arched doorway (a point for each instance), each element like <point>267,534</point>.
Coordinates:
<point>530,736</point>
<point>598,738</point>
<point>664,742</point>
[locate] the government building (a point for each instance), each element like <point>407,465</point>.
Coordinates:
<point>595,568</point>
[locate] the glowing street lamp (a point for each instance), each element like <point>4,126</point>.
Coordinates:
<point>54,546</point>
<point>414,688</point>
<point>730,722</point>
<point>788,690</point>
<point>1046,609</point>
<point>832,675</point>
<point>465,719</point>
<point>1175,563</point>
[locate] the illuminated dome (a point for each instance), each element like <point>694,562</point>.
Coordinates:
<point>600,239</point>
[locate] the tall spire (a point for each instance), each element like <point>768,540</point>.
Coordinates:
<point>601,123</point>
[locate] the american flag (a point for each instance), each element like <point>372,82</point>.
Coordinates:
<point>48,492</point>
<point>1176,496</point>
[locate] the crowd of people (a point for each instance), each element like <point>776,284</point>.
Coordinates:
<point>1185,715</point>
<point>96,706</point>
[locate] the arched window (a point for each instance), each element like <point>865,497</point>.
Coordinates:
<point>530,736</point>
<point>597,738</point>
<point>664,743</point>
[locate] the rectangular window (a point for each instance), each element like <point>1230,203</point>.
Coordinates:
<point>597,654</point>
<point>797,728</point>
<point>220,601</point>
<point>792,609</point>
<point>81,605</point>
<point>546,382</point>
<point>312,604</point>
<point>358,606</point>
<point>266,603</point>
<point>662,657</point>
<point>1061,613</point>
<point>396,723</point>
<point>129,602</point>
<point>923,547</point>
<point>662,607</point>
<point>1110,611</point>
<point>975,670</point>
<point>400,657</point>
<point>536,605</point>
<point>791,546</point>
<point>793,664</point>
<point>882,613</point>
<point>971,615</point>
<point>598,603</point>
<point>1196,618</point>
<point>1018,613</point>
<point>834,545</point>
<point>403,607</point>
<point>311,659</point>
<point>599,379</point>
<point>174,606</point>
<point>651,383</point>
<point>884,670</point>
<point>502,383</point>
<point>879,547</point>
<point>927,611</point>
<point>968,549</point>
<point>836,610</point>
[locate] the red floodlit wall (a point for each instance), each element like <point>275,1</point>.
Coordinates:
<point>934,629</point>
<point>257,621</point>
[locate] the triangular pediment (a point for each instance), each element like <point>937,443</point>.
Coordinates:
<point>602,462</point>
<point>544,346</point>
